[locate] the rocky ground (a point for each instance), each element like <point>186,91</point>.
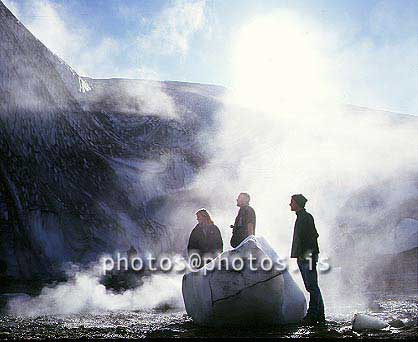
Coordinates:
<point>400,311</point>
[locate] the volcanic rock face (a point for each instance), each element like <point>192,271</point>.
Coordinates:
<point>82,159</point>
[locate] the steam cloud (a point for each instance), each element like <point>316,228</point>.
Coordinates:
<point>307,143</point>
<point>83,293</point>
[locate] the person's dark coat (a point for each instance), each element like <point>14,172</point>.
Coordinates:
<point>205,240</point>
<point>245,216</point>
<point>305,236</point>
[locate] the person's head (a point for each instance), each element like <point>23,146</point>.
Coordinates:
<point>297,202</point>
<point>243,199</point>
<point>203,217</point>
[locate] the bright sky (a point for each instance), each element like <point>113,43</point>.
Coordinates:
<point>366,49</point>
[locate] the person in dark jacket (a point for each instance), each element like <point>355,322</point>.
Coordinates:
<point>244,224</point>
<point>205,239</point>
<point>305,248</point>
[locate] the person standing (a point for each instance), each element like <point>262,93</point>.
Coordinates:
<point>305,248</point>
<point>244,222</point>
<point>205,240</point>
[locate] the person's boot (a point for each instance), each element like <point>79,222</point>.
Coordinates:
<point>320,320</point>
<point>308,319</point>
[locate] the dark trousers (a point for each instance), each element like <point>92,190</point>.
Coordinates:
<point>310,279</point>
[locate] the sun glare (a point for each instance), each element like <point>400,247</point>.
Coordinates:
<point>276,63</point>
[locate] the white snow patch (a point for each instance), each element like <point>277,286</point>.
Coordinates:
<point>84,86</point>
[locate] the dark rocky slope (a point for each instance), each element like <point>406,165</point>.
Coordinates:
<point>81,159</point>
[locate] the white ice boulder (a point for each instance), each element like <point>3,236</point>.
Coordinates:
<point>364,322</point>
<point>222,296</point>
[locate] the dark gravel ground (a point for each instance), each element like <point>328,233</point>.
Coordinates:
<point>172,323</point>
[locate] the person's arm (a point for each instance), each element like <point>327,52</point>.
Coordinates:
<point>308,235</point>
<point>250,228</point>
<point>250,218</point>
<point>312,225</point>
<point>218,240</point>
<point>234,239</point>
<point>301,237</point>
<point>193,243</point>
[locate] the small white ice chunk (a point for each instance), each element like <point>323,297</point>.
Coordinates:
<point>364,322</point>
